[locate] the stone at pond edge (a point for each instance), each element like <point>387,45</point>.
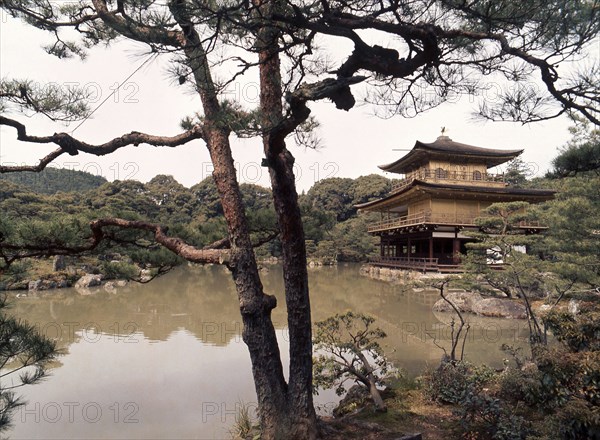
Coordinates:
<point>34,285</point>
<point>44,284</point>
<point>472,302</point>
<point>356,398</point>
<point>111,286</point>
<point>89,280</point>
<point>464,301</point>
<point>58,263</point>
<point>500,308</point>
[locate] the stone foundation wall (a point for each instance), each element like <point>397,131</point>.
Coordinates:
<point>396,275</point>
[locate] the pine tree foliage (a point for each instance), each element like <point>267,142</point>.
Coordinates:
<point>24,357</point>
<point>53,180</point>
<point>581,154</point>
<point>348,350</point>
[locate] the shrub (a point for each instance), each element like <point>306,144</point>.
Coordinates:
<point>119,269</point>
<point>577,419</point>
<point>348,350</point>
<point>450,382</point>
<point>579,333</point>
<point>483,416</point>
<point>516,385</point>
<point>17,271</point>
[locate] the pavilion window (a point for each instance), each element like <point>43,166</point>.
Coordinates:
<point>477,175</point>
<point>440,173</point>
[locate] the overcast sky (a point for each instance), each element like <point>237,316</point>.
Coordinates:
<point>354,142</point>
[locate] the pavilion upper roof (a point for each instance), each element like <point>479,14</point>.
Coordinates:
<point>446,149</point>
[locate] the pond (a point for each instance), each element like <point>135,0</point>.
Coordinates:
<point>166,359</point>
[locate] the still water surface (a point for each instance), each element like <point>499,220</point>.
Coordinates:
<point>165,360</point>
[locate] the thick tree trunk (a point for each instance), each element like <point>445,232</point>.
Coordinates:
<point>303,417</point>
<point>258,333</point>
<point>285,198</point>
<point>286,413</point>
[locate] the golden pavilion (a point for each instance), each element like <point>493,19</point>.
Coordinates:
<point>444,188</point>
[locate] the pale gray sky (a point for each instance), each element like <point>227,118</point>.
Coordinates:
<point>354,142</point>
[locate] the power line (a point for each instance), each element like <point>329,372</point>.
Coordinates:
<point>115,90</point>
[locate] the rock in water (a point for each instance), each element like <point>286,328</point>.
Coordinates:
<point>500,308</point>
<point>464,301</point>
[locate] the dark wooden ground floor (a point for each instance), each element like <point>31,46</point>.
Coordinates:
<point>437,251</point>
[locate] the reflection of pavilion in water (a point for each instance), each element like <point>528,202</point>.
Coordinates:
<point>158,320</point>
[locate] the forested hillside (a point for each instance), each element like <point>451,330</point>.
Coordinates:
<point>57,207</point>
<point>35,212</point>
<point>53,180</point>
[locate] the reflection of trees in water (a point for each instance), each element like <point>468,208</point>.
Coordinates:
<point>205,304</point>
<point>407,318</point>
<point>202,300</point>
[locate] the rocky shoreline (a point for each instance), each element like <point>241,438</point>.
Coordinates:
<point>466,302</point>
<point>83,276</point>
<point>474,303</point>
<point>61,275</point>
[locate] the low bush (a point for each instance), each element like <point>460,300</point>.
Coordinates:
<point>450,382</point>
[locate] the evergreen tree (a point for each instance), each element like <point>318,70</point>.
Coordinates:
<point>445,47</point>
<point>24,358</point>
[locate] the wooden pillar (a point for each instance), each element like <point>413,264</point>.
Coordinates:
<point>381,248</point>
<point>430,248</point>
<point>408,249</point>
<point>456,251</point>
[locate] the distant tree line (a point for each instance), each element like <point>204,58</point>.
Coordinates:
<point>53,180</point>
<point>56,205</point>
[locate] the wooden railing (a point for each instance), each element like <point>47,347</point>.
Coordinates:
<point>415,263</point>
<point>454,177</point>
<point>407,220</point>
<point>427,217</point>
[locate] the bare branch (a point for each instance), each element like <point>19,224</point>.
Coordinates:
<point>35,168</point>
<point>73,146</point>
<point>175,245</point>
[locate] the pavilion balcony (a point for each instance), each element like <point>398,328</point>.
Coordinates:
<point>429,218</point>
<point>449,177</point>
<point>421,264</point>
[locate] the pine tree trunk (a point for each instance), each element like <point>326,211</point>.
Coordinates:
<point>297,296</point>
<point>286,412</point>
<point>255,306</point>
<point>300,399</point>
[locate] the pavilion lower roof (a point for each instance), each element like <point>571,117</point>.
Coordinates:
<point>418,188</point>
